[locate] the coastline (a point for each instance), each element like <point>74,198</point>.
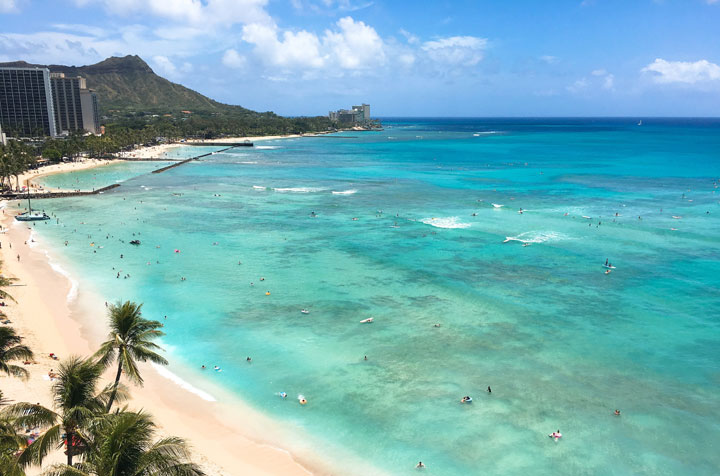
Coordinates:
<point>27,178</point>
<point>55,314</point>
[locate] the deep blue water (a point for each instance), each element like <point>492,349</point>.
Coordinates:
<point>561,343</point>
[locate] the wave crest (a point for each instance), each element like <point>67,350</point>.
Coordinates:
<point>446,222</point>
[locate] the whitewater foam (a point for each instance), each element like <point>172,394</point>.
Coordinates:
<point>299,189</point>
<point>258,187</point>
<point>446,222</point>
<point>536,237</point>
<point>345,192</point>
<point>268,147</point>
<point>164,372</point>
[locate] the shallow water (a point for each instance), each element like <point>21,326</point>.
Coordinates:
<point>560,343</point>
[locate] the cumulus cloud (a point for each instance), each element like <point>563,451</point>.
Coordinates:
<point>456,50</point>
<point>353,46</point>
<point>291,49</point>
<point>682,71</point>
<point>578,86</point>
<point>233,59</point>
<point>164,65</point>
<point>411,39</point>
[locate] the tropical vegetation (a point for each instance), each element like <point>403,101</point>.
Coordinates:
<point>98,437</point>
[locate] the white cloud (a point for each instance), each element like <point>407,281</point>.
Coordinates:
<point>682,71</point>
<point>353,46</point>
<point>411,39</point>
<point>164,66</point>
<point>233,59</point>
<point>549,59</point>
<point>456,50</point>
<point>599,72</point>
<point>8,6</point>
<point>609,82</point>
<point>300,49</point>
<point>578,86</point>
<point>200,13</point>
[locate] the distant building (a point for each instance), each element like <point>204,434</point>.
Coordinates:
<point>26,106</point>
<point>3,137</point>
<point>356,115</point>
<point>75,105</point>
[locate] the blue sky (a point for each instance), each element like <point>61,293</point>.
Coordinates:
<point>405,58</point>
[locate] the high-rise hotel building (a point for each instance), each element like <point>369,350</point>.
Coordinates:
<point>75,105</point>
<point>35,102</point>
<point>26,105</point>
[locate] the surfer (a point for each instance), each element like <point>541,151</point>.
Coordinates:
<point>606,261</point>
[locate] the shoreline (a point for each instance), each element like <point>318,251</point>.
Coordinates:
<point>54,313</point>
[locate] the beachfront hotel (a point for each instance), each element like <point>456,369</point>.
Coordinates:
<point>76,106</point>
<point>35,102</point>
<point>26,105</point>
<point>356,115</point>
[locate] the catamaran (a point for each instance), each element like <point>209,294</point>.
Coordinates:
<point>31,215</point>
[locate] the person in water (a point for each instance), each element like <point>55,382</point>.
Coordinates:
<point>489,389</point>
<point>617,412</point>
<point>420,465</point>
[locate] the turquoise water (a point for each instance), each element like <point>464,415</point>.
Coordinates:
<point>561,343</point>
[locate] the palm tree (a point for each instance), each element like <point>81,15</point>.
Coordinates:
<point>12,349</point>
<point>5,282</point>
<point>76,405</point>
<point>121,444</point>
<point>129,341</point>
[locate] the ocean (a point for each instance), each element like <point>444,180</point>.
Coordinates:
<point>419,227</point>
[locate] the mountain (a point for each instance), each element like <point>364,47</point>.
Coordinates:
<point>129,84</point>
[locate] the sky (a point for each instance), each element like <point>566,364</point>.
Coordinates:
<point>405,58</point>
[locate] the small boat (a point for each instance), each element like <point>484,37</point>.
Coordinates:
<point>135,242</point>
<point>304,311</point>
<point>30,215</point>
<point>367,321</point>
<point>640,123</point>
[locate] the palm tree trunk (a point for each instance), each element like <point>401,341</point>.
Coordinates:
<point>115,386</point>
<point>70,448</point>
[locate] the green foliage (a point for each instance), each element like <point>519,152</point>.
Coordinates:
<point>129,342</point>
<point>11,349</point>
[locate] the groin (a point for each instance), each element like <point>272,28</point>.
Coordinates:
<point>22,196</point>
<point>183,162</point>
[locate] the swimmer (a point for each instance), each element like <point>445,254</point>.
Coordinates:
<point>249,359</point>
<point>489,389</point>
<point>617,412</point>
<point>283,395</point>
<point>437,325</point>
<point>365,358</point>
<point>420,465</point>
<point>607,271</point>
<point>203,367</point>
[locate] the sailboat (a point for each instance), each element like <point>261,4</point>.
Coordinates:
<point>30,215</point>
<point>640,123</point>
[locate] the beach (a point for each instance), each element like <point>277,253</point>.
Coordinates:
<point>54,315</point>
